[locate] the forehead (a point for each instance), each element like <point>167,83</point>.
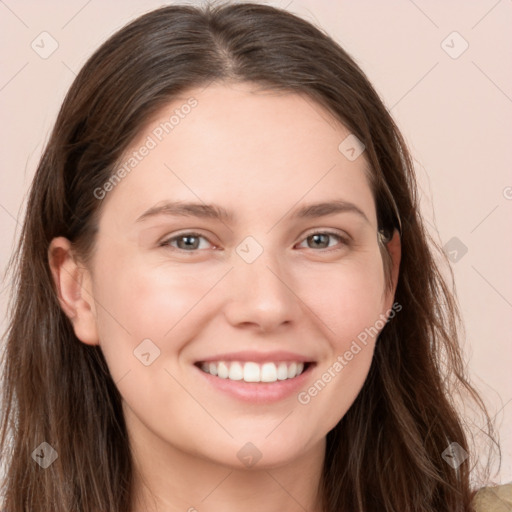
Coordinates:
<point>244,146</point>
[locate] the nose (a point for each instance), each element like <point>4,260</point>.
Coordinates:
<point>261,295</point>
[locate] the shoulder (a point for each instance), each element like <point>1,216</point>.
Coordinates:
<point>494,499</point>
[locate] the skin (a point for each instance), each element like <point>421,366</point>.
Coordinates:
<point>261,155</point>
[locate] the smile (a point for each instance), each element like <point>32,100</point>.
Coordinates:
<point>253,372</point>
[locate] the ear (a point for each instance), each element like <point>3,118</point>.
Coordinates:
<point>394,248</point>
<point>74,291</point>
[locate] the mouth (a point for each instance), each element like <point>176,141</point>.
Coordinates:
<point>252,372</point>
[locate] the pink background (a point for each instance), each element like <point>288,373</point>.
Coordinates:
<point>454,108</point>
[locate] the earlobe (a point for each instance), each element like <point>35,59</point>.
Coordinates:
<point>72,285</point>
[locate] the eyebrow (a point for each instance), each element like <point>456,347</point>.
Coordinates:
<point>213,211</point>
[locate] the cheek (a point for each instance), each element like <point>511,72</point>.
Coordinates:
<point>145,301</point>
<point>350,304</point>
<point>136,303</point>
<point>348,299</point>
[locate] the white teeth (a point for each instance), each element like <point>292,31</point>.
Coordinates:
<point>236,372</point>
<point>268,372</point>
<point>253,372</point>
<point>282,371</point>
<point>222,370</point>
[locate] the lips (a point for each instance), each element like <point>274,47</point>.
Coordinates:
<point>255,367</point>
<point>257,392</point>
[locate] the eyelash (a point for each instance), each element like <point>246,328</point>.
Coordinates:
<point>345,242</point>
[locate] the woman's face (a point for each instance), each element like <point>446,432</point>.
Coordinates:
<point>266,284</point>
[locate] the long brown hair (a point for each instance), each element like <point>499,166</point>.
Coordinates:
<point>386,452</point>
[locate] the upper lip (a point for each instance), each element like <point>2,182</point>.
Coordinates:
<point>258,357</point>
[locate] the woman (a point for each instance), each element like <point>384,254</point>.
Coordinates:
<point>178,340</point>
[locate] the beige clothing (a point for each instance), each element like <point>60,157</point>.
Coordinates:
<point>494,499</point>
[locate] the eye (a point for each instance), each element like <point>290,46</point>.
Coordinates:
<point>190,241</point>
<point>319,239</point>
<point>187,242</point>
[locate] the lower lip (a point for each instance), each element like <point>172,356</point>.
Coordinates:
<point>259,392</point>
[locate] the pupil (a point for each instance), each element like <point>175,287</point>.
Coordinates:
<point>315,237</point>
<point>188,244</point>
